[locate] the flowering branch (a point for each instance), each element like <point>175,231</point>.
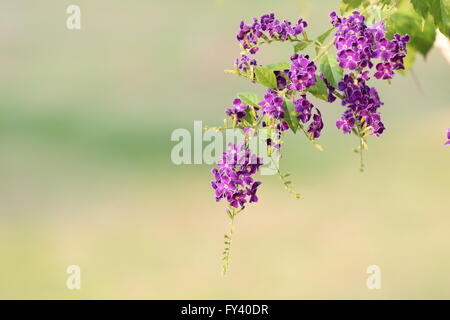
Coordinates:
<point>286,105</point>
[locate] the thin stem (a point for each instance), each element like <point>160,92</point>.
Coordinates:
<point>226,254</point>
<point>323,51</point>
<point>310,139</point>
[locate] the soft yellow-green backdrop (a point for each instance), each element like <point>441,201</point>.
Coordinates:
<point>86,176</point>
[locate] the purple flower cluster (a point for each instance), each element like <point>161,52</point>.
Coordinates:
<point>233,180</point>
<point>244,62</point>
<point>302,72</point>
<point>272,105</point>
<point>267,27</point>
<point>305,111</point>
<point>448,137</point>
<point>358,44</point>
<point>362,104</point>
<point>237,112</point>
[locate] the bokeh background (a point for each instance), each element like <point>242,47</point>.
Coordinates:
<point>86,176</point>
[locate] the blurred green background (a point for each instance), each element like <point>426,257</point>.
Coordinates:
<point>86,176</point>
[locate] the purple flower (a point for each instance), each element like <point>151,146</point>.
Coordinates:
<point>384,71</point>
<point>448,137</point>
<point>348,59</point>
<point>272,105</point>
<point>252,192</point>
<point>244,63</point>
<point>331,89</point>
<point>237,112</point>
<point>347,122</point>
<point>316,125</point>
<point>304,108</point>
<point>302,72</point>
<point>384,49</point>
<point>233,180</point>
<point>281,78</point>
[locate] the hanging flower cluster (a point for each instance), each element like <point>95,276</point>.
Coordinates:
<point>357,47</point>
<point>233,180</point>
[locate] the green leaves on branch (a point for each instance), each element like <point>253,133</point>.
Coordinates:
<point>349,5</point>
<point>438,9</point>
<point>266,77</point>
<point>251,99</point>
<point>319,90</point>
<point>328,65</point>
<point>279,66</point>
<point>302,45</point>
<point>290,115</point>
<point>321,39</point>
<point>422,32</point>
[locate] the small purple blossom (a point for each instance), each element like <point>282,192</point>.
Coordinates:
<point>272,105</point>
<point>237,112</point>
<point>233,180</point>
<point>348,59</point>
<point>384,71</point>
<point>244,63</point>
<point>304,109</point>
<point>316,125</point>
<point>448,137</point>
<point>302,72</point>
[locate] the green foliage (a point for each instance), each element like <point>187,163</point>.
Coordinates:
<point>319,90</point>
<point>301,45</point>
<point>440,10</point>
<point>290,115</point>
<point>278,66</point>
<point>328,65</point>
<point>422,31</point>
<point>422,7</point>
<point>288,185</point>
<point>266,77</point>
<point>249,98</point>
<point>349,5</point>
<point>324,36</point>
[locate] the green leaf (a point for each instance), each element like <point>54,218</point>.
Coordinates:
<point>279,66</point>
<point>422,7</point>
<point>252,99</point>
<point>302,45</point>
<point>353,3</point>
<point>422,32</point>
<point>324,35</point>
<point>249,98</point>
<point>319,90</point>
<point>290,115</point>
<point>348,5</point>
<point>266,77</point>
<point>328,65</point>
<point>440,10</point>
